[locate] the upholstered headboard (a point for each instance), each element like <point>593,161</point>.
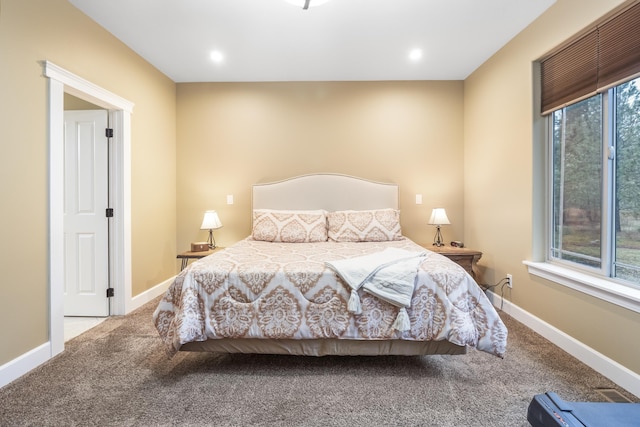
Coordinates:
<point>332,192</point>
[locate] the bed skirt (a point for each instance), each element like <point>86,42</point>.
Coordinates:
<point>325,347</point>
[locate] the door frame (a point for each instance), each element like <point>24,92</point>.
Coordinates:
<point>61,81</point>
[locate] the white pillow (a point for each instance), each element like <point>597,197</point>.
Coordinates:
<point>289,226</point>
<point>376,225</point>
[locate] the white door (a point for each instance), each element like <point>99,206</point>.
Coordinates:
<point>86,228</point>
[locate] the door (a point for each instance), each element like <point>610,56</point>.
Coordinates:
<point>86,226</point>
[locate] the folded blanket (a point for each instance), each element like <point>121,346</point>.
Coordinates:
<point>389,275</point>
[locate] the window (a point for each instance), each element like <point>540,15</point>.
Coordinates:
<point>626,204</point>
<point>590,99</point>
<point>595,183</point>
<point>576,176</point>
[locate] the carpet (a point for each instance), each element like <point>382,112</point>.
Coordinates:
<point>117,374</point>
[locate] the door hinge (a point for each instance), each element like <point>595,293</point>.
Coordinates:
<point>109,132</point>
<point>109,212</point>
<point>110,293</point>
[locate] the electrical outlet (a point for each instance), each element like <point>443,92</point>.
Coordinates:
<point>509,281</point>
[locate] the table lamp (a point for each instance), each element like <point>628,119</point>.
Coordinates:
<point>438,218</point>
<point>210,222</point>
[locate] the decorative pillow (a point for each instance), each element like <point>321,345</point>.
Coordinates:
<point>377,225</point>
<point>289,226</point>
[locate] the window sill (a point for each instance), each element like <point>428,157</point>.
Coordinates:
<point>607,290</point>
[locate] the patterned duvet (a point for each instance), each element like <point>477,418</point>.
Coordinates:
<point>266,290</point>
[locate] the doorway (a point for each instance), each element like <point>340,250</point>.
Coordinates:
<point>60,82</point>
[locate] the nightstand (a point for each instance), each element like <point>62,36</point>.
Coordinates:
<point>466,258</point>
<point>186,256</point>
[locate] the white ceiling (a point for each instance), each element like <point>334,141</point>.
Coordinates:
<point>342,40</point>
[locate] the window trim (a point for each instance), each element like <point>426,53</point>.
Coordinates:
<point>599,287</point>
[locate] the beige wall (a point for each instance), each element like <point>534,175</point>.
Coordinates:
<point>73,103</point>
<point>500,200</point>
<point>233,135</point>
<point>36,30</point>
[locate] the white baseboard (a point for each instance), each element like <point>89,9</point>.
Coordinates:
<point>148,295</point>
<point>611,369</point>
<point>19,366</point>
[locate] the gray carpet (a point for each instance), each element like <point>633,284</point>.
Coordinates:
<point>117,374</point>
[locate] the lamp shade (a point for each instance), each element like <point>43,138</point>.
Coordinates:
<point>439,217</point>
<point>211,221</point>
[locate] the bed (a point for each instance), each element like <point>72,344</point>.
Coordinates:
<point>327,271</point>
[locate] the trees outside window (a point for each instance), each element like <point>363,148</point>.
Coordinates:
<point>595,183</point>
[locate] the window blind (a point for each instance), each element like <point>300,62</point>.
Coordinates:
<point>608,54</point>
<point>619,47</point>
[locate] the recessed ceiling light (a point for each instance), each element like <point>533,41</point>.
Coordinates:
<point>217,56</point>
<point>415,54</point>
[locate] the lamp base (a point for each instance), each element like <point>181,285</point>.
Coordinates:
<point>437,239</point>
<point>212,240</point>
